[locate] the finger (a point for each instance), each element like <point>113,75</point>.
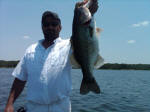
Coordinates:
<point>79,4</point>
<point>85,1</point>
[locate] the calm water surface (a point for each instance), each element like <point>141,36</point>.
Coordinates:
<point>122,91</point>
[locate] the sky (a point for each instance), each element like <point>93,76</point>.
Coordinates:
<point>125,23</point>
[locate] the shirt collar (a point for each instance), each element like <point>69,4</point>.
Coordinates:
<point>55,41</point>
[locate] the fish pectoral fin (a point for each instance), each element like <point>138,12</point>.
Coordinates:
<point>98,31</point>
<point>73,61</point>
<point>99,62</point>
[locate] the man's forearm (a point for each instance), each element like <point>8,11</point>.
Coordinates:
<point>16,89</point>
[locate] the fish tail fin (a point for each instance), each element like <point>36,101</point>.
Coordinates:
<point>89,84</point>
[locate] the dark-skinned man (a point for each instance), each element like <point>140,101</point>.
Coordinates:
<point>46,68</point>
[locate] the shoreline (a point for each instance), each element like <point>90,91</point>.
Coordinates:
<point>94,69</point>
<point>106,66</point>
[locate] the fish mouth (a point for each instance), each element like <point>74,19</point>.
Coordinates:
<point>83,15</point>
<point>87,22</point>
<point>86,17</point>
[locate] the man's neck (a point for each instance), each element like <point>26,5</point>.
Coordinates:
<point>46,43</point>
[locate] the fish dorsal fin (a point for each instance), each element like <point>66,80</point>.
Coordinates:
<point>73,61</point>
<point>99,62</point>
<point>98,31</point>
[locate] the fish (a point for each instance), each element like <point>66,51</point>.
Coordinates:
<point>85,47</point>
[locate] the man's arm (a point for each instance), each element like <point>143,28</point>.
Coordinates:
<point>16,90</point>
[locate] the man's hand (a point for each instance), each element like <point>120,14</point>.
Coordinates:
<point>9,108</point>
<point>16,89</point>
<point>79,4</point>
<point>93,6</point>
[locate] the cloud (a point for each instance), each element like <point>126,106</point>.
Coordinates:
<point>26,37</point>
<point>143,23</point>
<point>131,41</point>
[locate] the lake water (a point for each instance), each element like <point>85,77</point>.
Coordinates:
<point>122,91</point>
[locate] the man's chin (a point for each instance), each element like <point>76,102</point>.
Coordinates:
<point>50,38</point>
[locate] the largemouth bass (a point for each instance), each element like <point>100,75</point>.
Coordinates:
<point>85,46</point>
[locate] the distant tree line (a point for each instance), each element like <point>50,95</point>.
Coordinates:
<point>117,66</point>
<point>113,66</point>
<point>8,64</point>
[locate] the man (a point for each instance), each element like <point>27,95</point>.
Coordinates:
<point>46,68</point>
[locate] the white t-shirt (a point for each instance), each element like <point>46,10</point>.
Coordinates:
<point>47,71</point>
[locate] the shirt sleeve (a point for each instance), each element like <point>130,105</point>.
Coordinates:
<point>20,71</point>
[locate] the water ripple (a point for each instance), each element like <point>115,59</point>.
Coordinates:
<point>122,91</point>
